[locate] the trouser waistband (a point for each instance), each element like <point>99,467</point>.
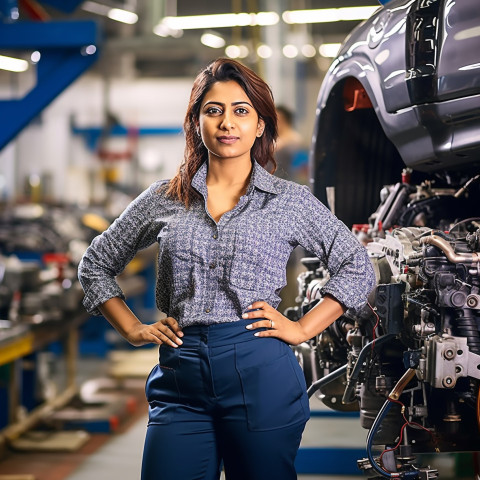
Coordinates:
<point>219,334</point>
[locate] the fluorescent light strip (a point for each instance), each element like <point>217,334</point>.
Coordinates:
<point>326,15</point>
<point>212,40</point>
<point>117,14</point>
<point>123,16</point>
<point>329,50</point>
<point>221,20</point>
<point>13,64</point>
<point>94,7</point>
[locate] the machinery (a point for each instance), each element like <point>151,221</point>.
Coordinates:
<point>410,360</point>
<point>403,94</point>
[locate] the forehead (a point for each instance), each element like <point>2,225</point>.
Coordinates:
<point>226,92</point>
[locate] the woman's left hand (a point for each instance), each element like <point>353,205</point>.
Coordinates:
<point>277,325</point>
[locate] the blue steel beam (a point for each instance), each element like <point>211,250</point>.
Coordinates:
<point>56,34</point>
<point>92,135</point>
<point>8,10</point>
<point>64,57</point>
<point>67,6</point>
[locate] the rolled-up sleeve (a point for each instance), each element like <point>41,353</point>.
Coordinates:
<point>110,252</point>
<point>319,231</point>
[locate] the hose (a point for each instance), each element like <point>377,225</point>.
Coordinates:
<point>394,395</point>
<point>326,379</point>
<point>349,394</point>
<point>466,326</point>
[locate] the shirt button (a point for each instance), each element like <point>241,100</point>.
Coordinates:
<point>207,310</point>
<point>212,265</point>
<point>215,236</point>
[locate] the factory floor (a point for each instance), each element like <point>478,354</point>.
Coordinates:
<point>117,456</point>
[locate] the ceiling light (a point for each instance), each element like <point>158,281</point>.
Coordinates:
<point>35,56</point>
<point>89,50</point>
<point>264,51</point>
<point>212,40</point>
<point>243,51</point>
<point>290,51</point>
<point>221,20</point>
<point>325,15</point>
<point>308,50</point>
<point>123,16</point>
<point>117,14</point>
<point>163,30</point>
<point>232,51</point>
<point>329,50</point>
<point>266,18</point>
<point>13,64</point>
<point>95,7</point>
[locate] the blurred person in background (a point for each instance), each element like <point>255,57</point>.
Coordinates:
<point>291,157</point>
<point>291,152</point>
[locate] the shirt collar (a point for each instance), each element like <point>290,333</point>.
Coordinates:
<point>261,179</point>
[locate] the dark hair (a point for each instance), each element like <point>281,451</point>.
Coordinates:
<point>259,93</point>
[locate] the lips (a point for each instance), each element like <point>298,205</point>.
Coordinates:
<point>228,139</point>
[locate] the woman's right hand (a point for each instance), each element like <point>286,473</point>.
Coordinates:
<point>165,331</point>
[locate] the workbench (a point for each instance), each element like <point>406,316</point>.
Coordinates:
<point>19,342</point>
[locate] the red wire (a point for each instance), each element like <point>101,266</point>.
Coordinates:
<point>407,423</point>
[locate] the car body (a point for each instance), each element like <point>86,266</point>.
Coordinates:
<point>404,91</point>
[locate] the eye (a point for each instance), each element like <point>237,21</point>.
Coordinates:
<point>212,110</point>
<point>241,111</point>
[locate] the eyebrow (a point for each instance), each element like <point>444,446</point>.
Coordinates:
<point>222,104</point>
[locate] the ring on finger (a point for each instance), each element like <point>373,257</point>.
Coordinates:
<point>271,324</point>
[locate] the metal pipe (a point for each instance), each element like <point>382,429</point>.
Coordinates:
<point>14,431</point>
<point>326,379</point>
<point>448,250</point>
<point>462,190</point>
<point>401,384</point>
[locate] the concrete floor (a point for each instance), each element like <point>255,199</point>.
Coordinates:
<point>120,457</point>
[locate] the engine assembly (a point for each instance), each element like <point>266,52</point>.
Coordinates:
<point>409,361</point>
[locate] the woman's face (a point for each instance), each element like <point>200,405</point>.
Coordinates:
<point>228,122</point>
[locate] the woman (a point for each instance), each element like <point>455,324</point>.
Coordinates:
<point>227,389</point>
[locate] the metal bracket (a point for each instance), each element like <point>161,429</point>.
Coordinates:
<point>449,358</point>
<point>67,49</point>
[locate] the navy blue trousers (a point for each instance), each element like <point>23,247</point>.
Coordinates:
<point>225,397</point>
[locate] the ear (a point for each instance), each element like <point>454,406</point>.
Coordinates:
<point>260,127</point>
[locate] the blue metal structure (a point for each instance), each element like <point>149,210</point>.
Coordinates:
<point>92,135</point>
<point>67,49</point>
<point>8,10</point>
<point>67,6</point>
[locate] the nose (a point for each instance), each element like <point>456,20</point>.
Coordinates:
<point>227,122</point>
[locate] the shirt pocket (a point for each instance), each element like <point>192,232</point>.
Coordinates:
<point>177,255</point>
<point>258,262</point>
<point>273,385</point>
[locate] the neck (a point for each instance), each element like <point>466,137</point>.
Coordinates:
<point>228,172</point>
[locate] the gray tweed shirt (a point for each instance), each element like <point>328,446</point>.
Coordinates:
<point>211,272</point>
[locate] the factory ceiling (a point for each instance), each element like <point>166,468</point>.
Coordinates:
<point>134,50</point>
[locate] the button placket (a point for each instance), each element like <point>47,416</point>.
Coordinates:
<point>212,265</point>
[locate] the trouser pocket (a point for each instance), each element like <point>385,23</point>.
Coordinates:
<point>273,387</point>
<point>161,388</point>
